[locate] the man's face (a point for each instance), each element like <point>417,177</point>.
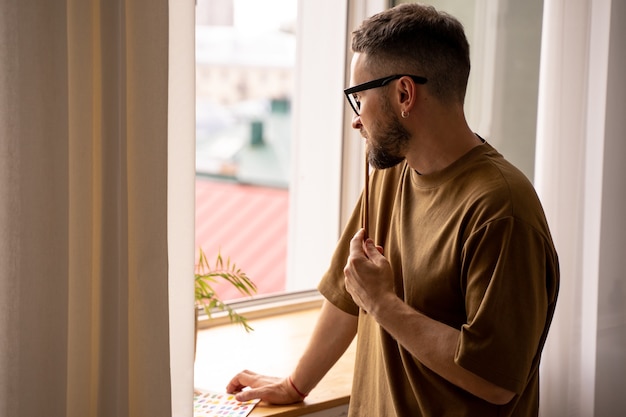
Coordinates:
<point>387,139</point>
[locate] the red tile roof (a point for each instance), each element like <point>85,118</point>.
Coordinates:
<point>247,224</point>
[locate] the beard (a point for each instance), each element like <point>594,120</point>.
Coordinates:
<point>388,143</point>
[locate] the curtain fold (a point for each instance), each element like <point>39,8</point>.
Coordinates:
<point>84,327</point>
<point>580,167</point>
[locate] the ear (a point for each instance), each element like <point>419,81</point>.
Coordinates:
<point>407,92</point>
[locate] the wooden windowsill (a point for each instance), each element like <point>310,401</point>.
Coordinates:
<point>273,348</point>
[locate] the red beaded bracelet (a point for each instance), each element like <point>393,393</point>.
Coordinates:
<point>295,388</point>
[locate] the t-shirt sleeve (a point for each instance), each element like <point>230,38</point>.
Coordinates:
<point>511,274</point>
<point>332,285</point>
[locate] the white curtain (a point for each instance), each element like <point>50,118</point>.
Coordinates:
<point>84,319</point>
<point>581,163</point>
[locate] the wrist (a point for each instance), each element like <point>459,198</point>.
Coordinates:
<point>386,306</point>
<point>301,394</point>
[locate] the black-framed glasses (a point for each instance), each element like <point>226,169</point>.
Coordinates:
<point>354,101</point>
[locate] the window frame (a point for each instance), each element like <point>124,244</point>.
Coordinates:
<point>318,120</point>
<point>327,155</point>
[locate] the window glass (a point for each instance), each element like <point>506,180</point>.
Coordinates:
<point>245,60</point>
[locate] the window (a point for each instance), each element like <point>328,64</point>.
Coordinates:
<point>277,160</point>
<point>270,123</point>
<point>245,57</point>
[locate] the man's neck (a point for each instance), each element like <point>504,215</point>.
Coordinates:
<point>433,152</point>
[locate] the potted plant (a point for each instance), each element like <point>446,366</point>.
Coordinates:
<point>205,296</point>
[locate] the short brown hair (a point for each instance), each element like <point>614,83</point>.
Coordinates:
<point>419,40</point>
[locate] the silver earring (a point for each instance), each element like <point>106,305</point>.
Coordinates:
<point>404,114</point>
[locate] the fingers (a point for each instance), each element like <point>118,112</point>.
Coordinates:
<point>362,245</point>
<point>251,394</point>
<point>358,256</point>
<point>240,381</point>
<point>356,244</point>
<point>248,385</point>
<point>372,251</point>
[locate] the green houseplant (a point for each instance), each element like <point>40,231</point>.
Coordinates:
<point>205,296</point>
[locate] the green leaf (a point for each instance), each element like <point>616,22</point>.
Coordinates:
<point>205,295</point>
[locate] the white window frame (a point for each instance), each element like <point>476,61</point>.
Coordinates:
<point>327,155</point>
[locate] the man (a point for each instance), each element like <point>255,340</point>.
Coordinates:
<point>453,291</point>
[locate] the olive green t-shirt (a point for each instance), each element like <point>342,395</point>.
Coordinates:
<point>469,246</point>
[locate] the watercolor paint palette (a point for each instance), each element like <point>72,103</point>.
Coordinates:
<point>216,404</point>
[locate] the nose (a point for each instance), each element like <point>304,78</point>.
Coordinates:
<point>356,122</point>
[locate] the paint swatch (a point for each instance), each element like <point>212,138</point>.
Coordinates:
<point>215,404</point>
